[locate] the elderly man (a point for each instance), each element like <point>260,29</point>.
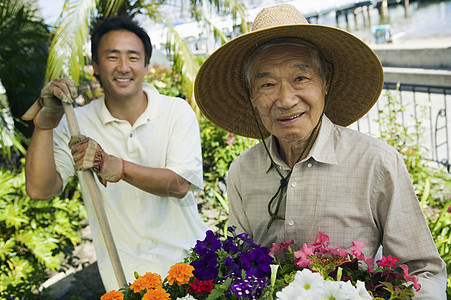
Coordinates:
<point>296,86</point>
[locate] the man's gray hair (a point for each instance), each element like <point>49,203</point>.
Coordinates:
<point>317,56</point>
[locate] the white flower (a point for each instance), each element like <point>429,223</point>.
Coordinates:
<point>312,286</point>
<point>335,290</point>
<point>306,285</point>
<point>187,297</point>
<point>350,292</point>
<point>273,273</point>
<point>362,292</point>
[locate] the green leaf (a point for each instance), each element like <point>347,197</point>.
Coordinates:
<point>219,290</point>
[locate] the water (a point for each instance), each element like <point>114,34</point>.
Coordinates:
<point>430,19</point>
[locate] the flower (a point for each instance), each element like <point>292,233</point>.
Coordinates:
<point>388,261</point>
<point>146,282</point>
<point>187,297</point>
<point>181,273</point>
<point>205,267</point>
<point>249,287</point>
<point>201,287</point>
<point>310,285</point>
<point>237,268</point>
<point>113,295</point>
<point>156,294</point>
<point>305,284</point>
<point>386,281</point>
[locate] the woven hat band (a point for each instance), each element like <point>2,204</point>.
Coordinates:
<point>283,14</point>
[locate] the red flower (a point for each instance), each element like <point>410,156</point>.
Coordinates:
<point>286,244</point>
<point>389,261</point>
<point>201,287</point>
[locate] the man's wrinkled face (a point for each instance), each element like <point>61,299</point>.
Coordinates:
<point>288,91</point>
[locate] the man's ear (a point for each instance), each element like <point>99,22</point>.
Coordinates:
<point>252,103</point>
<point>95,67</point>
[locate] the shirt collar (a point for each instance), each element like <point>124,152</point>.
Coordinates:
<point>323,149</point>
<point>148,115</point>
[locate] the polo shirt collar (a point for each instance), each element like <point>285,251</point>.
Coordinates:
<point>151,112</point>
<point>323,149</point>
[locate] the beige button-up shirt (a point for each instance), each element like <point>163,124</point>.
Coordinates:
<point>352,187</point>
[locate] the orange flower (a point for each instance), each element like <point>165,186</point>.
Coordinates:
<point>180,272</point>
<point>156,294</point>
<point>147,281</point>
<point>113,295</point>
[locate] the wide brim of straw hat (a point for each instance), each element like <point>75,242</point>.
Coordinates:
<point>222,94</point>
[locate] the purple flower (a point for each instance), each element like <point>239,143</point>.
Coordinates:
<point>248,288</point>
<point>257,262</point>
<point>205,268</point>
<point>210,243</point>
<point>247,243</point>
<point>232,266</point>
<point>231,247</point>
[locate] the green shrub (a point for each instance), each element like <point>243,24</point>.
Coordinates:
<point>35,236</point>
<point>432,185</point>
<point>166,81</point>
<point>219,149</point>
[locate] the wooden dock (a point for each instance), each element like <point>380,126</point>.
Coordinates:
<point>314,10</point>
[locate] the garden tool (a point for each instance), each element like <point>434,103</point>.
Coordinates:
<point>98,205</point>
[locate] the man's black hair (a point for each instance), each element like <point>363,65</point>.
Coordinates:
<point>122,22</point>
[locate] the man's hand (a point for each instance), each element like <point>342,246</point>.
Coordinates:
<point>89,155</point>
<point>47,111</point>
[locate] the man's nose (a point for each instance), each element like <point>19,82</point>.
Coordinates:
<point>123,66</point>
<point>286,96</point>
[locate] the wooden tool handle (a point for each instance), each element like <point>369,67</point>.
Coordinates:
<point>98,205</point>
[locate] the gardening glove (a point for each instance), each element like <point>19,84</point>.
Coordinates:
<point>89,155</point>
<point>47,111</point>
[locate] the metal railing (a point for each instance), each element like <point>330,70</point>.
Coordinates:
<point>425,110</point>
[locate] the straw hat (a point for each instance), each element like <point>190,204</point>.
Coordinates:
<point>222,94</point>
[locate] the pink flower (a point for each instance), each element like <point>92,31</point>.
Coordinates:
<point>275,250</point>
<point>356,248</point>
<point>405,269</point>
<point>369,262</point>
<point>331,252</point>
<point>389,261</point>
<point>414,278</point>
<point>416,285</point>
<point>321,240</point>
<point>301,259</point>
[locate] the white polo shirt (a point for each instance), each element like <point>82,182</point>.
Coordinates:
<point>151,233</point>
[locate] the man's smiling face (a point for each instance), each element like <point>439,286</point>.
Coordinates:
<point>121,64</point>
<point>288,91</point>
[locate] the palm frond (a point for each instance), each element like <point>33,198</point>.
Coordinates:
<point>66,57</point>
<point>111,7</point>
<point>239,8</point>
<point>183,59</point>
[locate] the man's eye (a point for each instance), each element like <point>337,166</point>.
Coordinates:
<point>134,58</point>
<point>268,84</point>
<point>112,57</point>
<point>300,78</point>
